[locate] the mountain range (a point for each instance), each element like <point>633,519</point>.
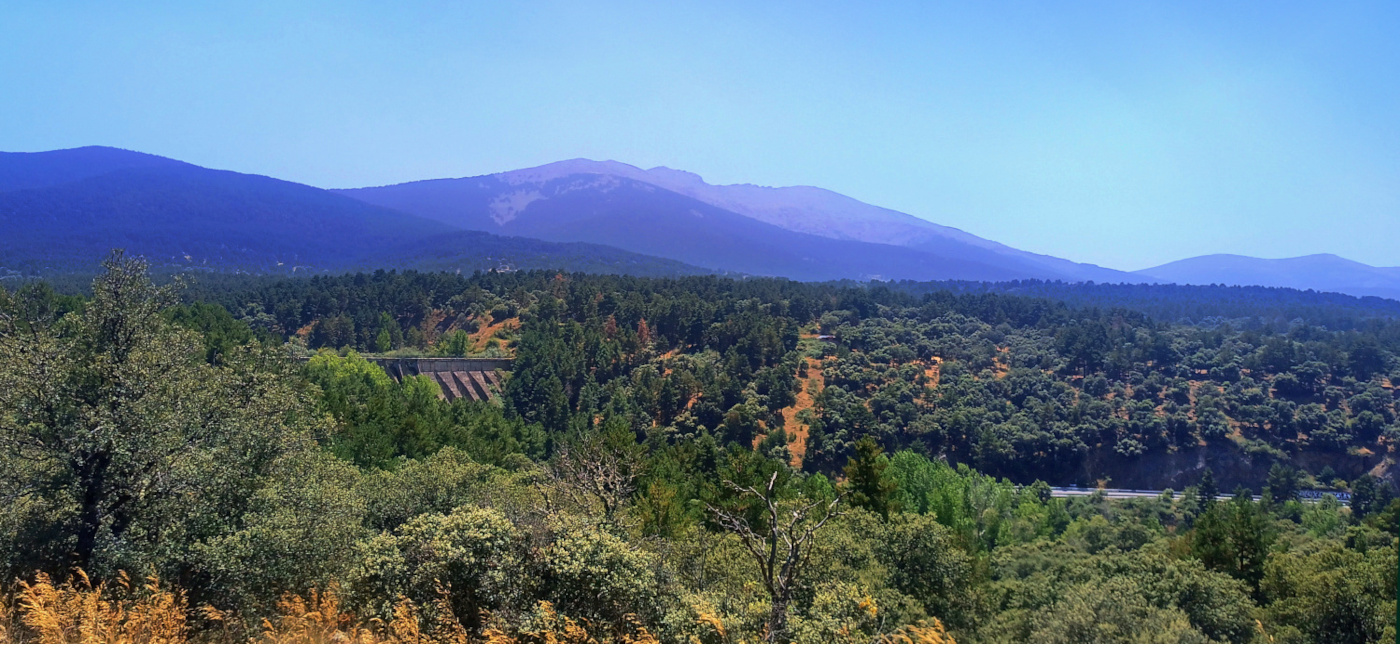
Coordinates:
<point>804,233</point>
<point>1316,272</point>
<point>62,210</point>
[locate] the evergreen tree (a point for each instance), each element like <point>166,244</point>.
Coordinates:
<point>1283,482</point>
<point>1233,538</point>
<point>114,415</point>
<point>1206,490</point>
<point>871,484</point>
<point>1366,494</point>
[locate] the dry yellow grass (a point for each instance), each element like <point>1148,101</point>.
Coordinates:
<point>8,620</point>
<point>318,618</point>
<point>490,330</point>
<point>546,625</point>
<point>809,388</point>
<point>931,631</point>
<point>79,612</point>
<point>706,614</point>
<point>315,619</point>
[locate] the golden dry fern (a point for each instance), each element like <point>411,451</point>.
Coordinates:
<point>9,619</point>
<point>315,619</point>
<point>79,612</point>
<point>547,625</point>
<point>929,631</point>
<point>318,618</point>
<point>706,615</point>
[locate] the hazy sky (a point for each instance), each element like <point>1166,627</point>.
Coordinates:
<point>1125,134</point>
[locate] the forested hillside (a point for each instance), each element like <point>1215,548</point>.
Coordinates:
<point>1021,387</point>
<point>1194,303</point>
<point>691,459</point>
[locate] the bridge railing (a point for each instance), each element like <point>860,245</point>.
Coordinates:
<point>1118,493</point>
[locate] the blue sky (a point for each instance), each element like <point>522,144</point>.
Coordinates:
<point>1125,134</point>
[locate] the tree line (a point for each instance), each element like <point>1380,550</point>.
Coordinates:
<point>648,475</point>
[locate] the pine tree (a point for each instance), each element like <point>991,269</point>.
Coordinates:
<point>870,483</point>
<point>1234,538</point>
<point>1283,482</point>
<point>1206,490</point>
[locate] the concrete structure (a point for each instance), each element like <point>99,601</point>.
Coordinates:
<point>473,379</point>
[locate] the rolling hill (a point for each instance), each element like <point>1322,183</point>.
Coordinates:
<point>27,171</point>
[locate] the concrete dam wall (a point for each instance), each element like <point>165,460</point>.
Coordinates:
<point>474,379</point>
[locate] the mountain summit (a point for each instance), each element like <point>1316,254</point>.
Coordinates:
<point>805,233</point>
<point>63,210</point>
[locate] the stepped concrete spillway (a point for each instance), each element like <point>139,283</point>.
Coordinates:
<point>478,379</point>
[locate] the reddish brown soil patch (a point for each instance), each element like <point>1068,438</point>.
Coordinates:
<point>431,323</point>
<point>933,371</point>
<point>484,335</point>
<point>663,358</point>
<point>306,329</point>
<point>797,432</point>
<point>999,361</point>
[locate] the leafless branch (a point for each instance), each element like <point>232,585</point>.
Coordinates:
<point>783,550</point>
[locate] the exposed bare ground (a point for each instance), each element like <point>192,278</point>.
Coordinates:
<point>430,324</point>
<point>487,332</point>
<point>305,330</point>
<point>933,371</point>
<point>811,385</point>
<point>1001,363</point>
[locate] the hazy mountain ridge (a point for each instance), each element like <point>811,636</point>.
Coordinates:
<point>64,210</point>
<point>818,211</point>
<point>200,216</point>
<point>1322,272</point>
<point>800,209</point>
<point>28,171</point>
<point>802,233</point>
<point>642,217</point>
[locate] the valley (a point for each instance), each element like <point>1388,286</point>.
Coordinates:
<point>439,397</point>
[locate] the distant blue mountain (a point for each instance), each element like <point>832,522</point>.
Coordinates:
<point>64,210</point>
<point>802,233</point>
<point>28,171</point>
<point>642,218</point>
<point>1316,272</point>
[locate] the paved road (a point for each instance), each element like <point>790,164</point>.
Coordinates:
<point>1306,495</point>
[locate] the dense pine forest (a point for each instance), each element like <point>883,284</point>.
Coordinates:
<point>694,459</point>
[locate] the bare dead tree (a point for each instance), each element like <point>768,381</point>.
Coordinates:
<point>782,547</point>
<point>595,477</point>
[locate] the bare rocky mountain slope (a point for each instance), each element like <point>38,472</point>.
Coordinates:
<point>799,232</point>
